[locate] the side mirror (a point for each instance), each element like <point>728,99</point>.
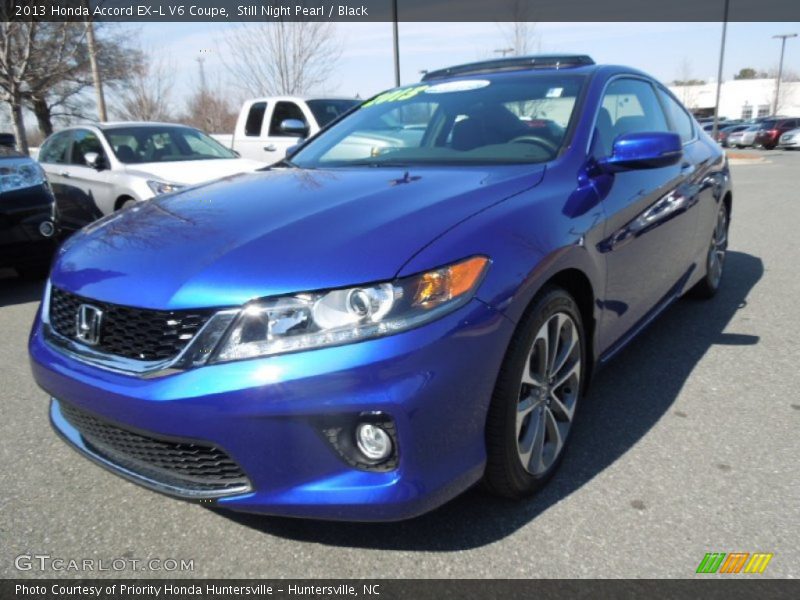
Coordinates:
<point>293,127</point>
<point>94,160</point>
<point>645,150</point>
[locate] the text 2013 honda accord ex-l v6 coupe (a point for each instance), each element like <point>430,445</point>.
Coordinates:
<point>412,303</point>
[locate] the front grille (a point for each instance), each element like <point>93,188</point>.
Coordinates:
<point>188,466</point>
<point>136,333</point>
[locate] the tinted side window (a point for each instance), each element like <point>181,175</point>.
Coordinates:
<point>84,141</point>
<point>629,106</point>
<point>255,119</point>
<point>681,120</point>
<point>283,111</point>
<point>55,149</point>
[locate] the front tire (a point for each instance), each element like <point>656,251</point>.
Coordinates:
<point>536,396</point>
<point>708,286</point>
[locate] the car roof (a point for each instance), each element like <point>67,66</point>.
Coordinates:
<point>119,124</point>
<point>514,63</point>
<point>496,70</point>
<point>298,98</point>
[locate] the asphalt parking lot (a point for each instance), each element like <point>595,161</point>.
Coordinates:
<point>687,444</point>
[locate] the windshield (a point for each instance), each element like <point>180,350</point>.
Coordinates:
<point>519,119</point>
<point>325,111</point>
<point>163,143</point>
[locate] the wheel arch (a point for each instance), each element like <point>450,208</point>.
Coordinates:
<point>121,199</point>
<point>728,200</point>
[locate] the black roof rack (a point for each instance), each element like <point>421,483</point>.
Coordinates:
<point>540,61</point>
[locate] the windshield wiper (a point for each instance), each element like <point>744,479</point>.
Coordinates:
<point>376,163</point>
<point>283,163</point>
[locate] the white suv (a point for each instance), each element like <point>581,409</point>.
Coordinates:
<point>97,169</point>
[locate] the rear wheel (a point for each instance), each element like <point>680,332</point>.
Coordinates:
<point>715,258</point>
<point>535,400</point>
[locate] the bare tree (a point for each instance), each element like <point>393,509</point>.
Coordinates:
<point>209,110</point>
<point>688,84</point>
<point>281,57</point>
<point>17,62</point>
<point>784,91</point>
<point>45,67</point>
<point>67,99</point>
<point>520,32</point>
<point>148,95</point>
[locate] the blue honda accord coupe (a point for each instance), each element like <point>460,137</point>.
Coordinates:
<point>411,303</point>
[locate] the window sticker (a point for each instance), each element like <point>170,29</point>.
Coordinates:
<point>457,86</point>
<point>396,95</point>
<point>554,93</point>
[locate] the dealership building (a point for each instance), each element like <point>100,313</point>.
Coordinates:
<point>741,98</point>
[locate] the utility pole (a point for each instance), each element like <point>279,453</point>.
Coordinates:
<point>200,60</point>
<point>396,41</point>
<point>715,127</point>
<point>782,38</point>
<point>98,82</point>
<point>504,51</point>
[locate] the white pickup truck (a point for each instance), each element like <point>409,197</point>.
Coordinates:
<point>267,127</point>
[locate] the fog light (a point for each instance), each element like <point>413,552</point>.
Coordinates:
<point>47,229</point>
<point>373,441</point>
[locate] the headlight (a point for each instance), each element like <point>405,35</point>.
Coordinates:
<point>162,187</point>
<point>306,321</point>
<point>20,175</point>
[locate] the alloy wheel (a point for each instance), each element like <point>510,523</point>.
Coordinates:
<point>548,393</point>
<point>718,247</point>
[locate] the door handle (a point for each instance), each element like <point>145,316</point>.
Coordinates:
<point>270,148</point>
<point>64,174</point>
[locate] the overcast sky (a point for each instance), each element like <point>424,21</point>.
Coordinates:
<point>366,63</point>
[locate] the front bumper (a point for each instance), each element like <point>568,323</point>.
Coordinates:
<point>793,142</point>
<point>22,215</point>
<point>435,382</point>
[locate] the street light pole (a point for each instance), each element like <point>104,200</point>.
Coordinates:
<point>715,127</point>
<point>396,41</point>
<point>782,37</point>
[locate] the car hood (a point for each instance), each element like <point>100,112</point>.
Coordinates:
<point>191,172</point>
<point>276,232</point>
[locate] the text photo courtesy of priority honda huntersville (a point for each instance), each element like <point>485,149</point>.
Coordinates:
<point>413,301</point>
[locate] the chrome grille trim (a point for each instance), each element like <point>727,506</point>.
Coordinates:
<point>196,353</point>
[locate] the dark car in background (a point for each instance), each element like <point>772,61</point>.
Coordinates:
<point>8,140</point>
<point>771,131</point>
<point>28,215</point>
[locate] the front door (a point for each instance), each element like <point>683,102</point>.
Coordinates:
<point>649,229</point>
<point>96,184</point>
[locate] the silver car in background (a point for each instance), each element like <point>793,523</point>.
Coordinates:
<point>790,140</point>
<point>743,139</point>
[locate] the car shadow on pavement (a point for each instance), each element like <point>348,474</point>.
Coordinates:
<point>628,397</point>
<point>16,290</point>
